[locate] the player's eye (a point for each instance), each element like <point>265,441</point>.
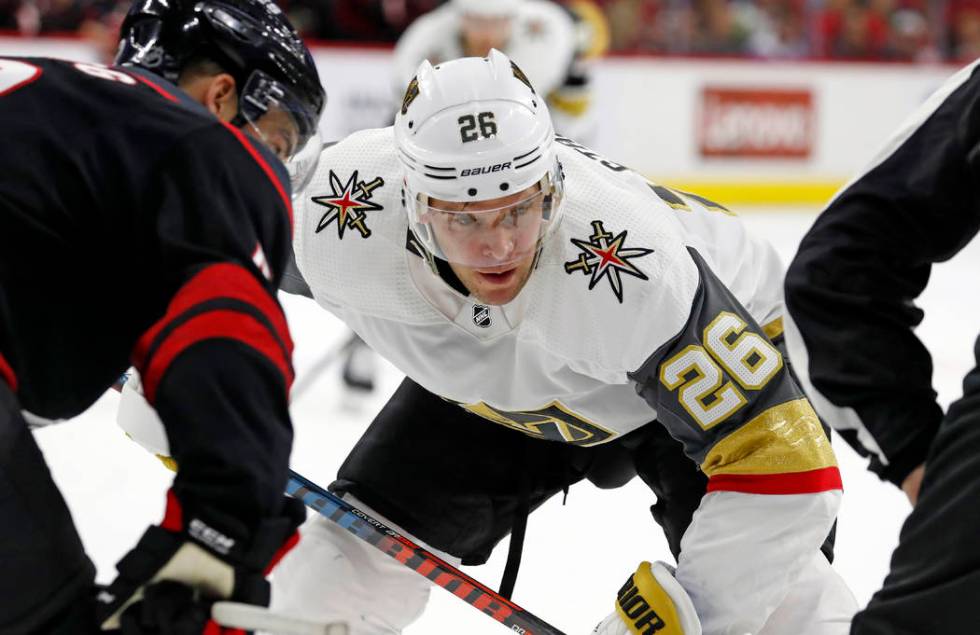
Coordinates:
<point>517,212</point>
<point>281,150</point>
<point>464,220</point>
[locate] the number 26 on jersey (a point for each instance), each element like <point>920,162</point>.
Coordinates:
<point>698,372</point>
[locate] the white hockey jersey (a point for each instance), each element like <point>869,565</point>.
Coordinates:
<point>545,42</point>
<point>645,304</point>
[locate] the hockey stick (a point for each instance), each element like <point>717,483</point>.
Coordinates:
<point>411,555</point>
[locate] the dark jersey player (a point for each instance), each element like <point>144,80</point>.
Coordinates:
<point>850,293</point>
<point>149,203</point>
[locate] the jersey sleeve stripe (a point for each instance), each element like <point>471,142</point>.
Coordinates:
<point>217,304</point>
<point>276,182</point>
<point>7,374</point>
<point>809,482</point>
<point>173,516</point>
<point>231,290</point>
<point>227,325</point>
<point>222,280</point>
<point>786,438</point>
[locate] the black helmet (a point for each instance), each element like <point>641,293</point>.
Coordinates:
<point>250,39</point>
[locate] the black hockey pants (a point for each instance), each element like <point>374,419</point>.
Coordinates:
<point>460,482</point>
<point>933,587</point>
<point>46,580</point>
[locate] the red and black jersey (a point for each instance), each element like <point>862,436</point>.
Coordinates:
<point>136,228</point>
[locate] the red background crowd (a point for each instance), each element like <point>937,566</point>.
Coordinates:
<point>900,30</point>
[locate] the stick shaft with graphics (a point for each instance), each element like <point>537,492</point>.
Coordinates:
<point>413,556</point>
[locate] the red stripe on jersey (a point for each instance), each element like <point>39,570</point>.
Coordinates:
<point>173,517</point>
<point>159,89</point>
<point>265,168</point>
<point>223,280</point>
<point>219,324</point>
<point>7,374</point>
<point>286,547</point>
<point>213,628</point>
<point>810,482</point>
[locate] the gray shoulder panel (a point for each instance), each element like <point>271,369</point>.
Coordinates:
<point>292,280</point>
<point>717,374</point>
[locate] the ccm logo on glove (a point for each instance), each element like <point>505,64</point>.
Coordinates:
<point>211,537</point>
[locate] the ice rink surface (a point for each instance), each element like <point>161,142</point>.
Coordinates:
<point>577,555</point>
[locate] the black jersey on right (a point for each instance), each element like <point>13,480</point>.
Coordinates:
<point>851,287</point>
<point>135,227</point>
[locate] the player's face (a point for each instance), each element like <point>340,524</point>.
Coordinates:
<point>481,33</point>
<point>490,244</point>
<point>278,131</point>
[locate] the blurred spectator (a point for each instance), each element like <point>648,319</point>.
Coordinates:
<point>716,31</point>
<point>357,20</point>
<point>964,36</point>
<point>851,29</point>
<point>41,17</point>
<point>910,39</point>
<point>50,16</point>
<point>8,15</point>
<point>777,28</point>
<point>101,27</point>
<point>649,26</point>
<point>920,31</point>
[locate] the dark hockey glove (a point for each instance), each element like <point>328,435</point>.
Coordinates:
<point>168,582</point>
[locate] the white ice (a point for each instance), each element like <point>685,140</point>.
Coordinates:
<point>577,555</point>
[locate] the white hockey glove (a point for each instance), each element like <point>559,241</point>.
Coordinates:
<point>651,601</point>
<point>140,421</point>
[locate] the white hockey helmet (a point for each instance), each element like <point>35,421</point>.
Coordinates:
<point>471,131</point>
<point>487,8</point>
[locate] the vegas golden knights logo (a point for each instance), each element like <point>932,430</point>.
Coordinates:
<point>348,203</point>
<point>554,422</point>
<point>410,94</point>
<point>519,74</point>
<point>604,255</point>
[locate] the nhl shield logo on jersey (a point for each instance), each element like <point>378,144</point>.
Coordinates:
<point>604,256</point>
<point>348,203</point>
<point>481,316</point>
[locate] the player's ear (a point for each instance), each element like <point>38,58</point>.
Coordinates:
<point>221,96</point>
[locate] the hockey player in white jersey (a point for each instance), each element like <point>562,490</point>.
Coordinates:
<point>557,316</point>
<point>552,44</point>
